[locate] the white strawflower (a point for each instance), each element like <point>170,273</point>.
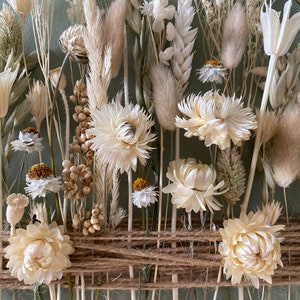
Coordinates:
<point>212,71</point>
<point>144,194</point>
<point>216,119</point>
<point>250,246</point>
<point>40,181</point>
<point>122,135</point>
<point>29,141</point>
<point>193,185</point>
<point>38,254</point>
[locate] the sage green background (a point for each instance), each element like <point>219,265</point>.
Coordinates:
<point>190,148</point>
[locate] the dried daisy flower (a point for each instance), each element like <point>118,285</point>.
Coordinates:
<point>216,119</point>
<point>7,79</point>
<point>40,181</point>
<point>193,185</point>
<point>277,36</point>
<point>16,204</point>
<point>212,71</point>
<point>230,169</point>
<point>38,254</point>
<point>21,8</point>
<point>10,34</point>
<point>71,42</point>
<point>165,96</point>
<point>285,158</point>
<point>250,246</point>
<point>121,135</point>
<point>29,141</point>
<point>234,37</point>
<point>38,99</point>
<point>143,194</point>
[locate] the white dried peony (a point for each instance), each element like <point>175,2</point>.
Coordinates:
<point>193,186</point>
<point>39,253</point>
<point>216,119</point>
<point>250,245</point>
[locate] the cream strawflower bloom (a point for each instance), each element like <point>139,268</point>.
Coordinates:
<point>121,135</point>
<point>29,141</point>
<point>250,245</point>
<point>193,186</point>
<point>277,36</point>
<point>7,79</point>
<point>144,194</point>
<point>212,71</point>
<point>216,119</point>
<point>40,181</point>
<point>39,254</point>
<point>16,204</point>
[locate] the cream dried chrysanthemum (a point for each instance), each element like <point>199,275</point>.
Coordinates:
<point>193,186</point>
<point>16,204</point>
<point>143,194</point>
<point>212,71</point>
<point>40,181</point>
<point>250,245</point>
<point>29,141</point>
<point>216,119</point>
<point>121,135</point>
<point>39,253</point>
<point>71,41</point>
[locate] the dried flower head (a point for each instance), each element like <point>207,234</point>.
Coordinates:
<point>122,135</point>
<point>250,245</point>
<point>285,158</point>
<point>71,41</point>
<point>16,204</point>
<point>39,254</point>
<point>230,169</point>
<point>212,71</point>
<point>193,185</point>
<point>38,98</point>
<point>40,181</point>
<point>216,119</point>
<point>29,141</point>
<point>7,79</point>
<point>234,37</point>
<point>144,194</point>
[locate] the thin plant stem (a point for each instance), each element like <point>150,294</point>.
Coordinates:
<point>240,293</point>
<point>286,206</point>
<point>257,144</point>
<point>52,291</point>
<point>1,192</point>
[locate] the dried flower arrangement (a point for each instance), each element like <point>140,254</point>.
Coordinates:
<point>65,222</point>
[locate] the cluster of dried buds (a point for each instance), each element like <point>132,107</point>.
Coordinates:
<point>78,180</point>
<point>81,140</point>
<point>94,223</point>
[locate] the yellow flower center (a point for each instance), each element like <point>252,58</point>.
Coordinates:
<point>139,184</point>
<point>38,171</point>
<point>213,62</point>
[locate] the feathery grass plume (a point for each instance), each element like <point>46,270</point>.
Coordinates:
<point>10,36</point>
<point>21,8</point>
<point>270,124</point>
<point>75,12</point>
<point>235,32</point>
<point>114,33</point>
<point>165,96</point>
<point>285,151</point>
<point>230,169</point>
<point>183,42</point>
<point>99,56</point>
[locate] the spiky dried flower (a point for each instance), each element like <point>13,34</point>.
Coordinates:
<point>212,71</point>
<point>144,194</point>
<point>230,169</point>
<point>165,96</point>
<point>285,158</point>
<point>216,119</point>
<point>121,135</point>
<point>10,34</point>
<point>234,39</point>
<point>250,245</point>
<point>71,41</point>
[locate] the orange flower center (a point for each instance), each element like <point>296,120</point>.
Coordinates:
<point>139,184</point>
<point>38,171</point>
<point>213,62</point>
<point>30,130</point>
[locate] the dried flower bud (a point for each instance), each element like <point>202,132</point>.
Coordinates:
<point>16,204</point>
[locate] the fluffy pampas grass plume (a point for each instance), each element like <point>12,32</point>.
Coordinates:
<point>165,95</point>
<point>234,38</point>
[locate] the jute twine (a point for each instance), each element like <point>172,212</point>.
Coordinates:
<point>103,259</point>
